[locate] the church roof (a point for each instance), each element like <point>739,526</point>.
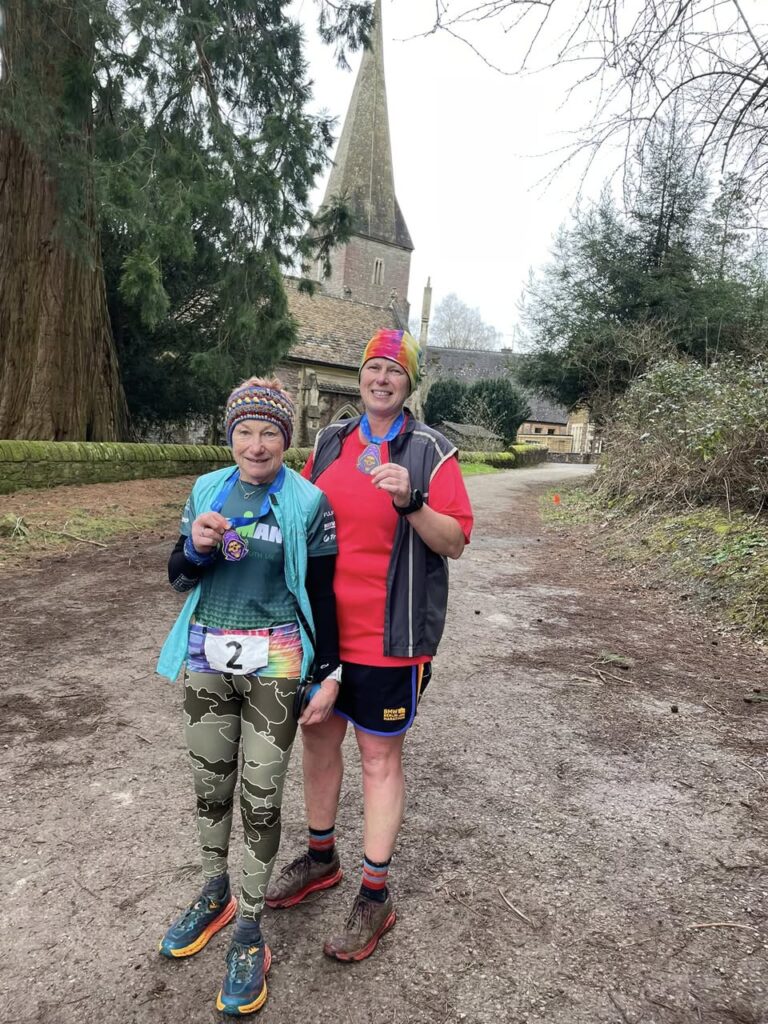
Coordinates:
<point>362,171</point>
<point>334,331</point>
<point>469,365</point>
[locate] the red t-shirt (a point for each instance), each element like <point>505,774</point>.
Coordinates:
<point>365,530</point>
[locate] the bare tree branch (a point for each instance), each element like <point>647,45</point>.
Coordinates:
<point>705,59</point>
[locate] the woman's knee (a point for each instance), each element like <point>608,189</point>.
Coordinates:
<point>380,756</point>
<point>326,738</point>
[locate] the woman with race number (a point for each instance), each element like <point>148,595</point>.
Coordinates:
<point>401,510</point>
<point>258,634</point>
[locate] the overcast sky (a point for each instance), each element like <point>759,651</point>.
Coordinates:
<point>468,147</point>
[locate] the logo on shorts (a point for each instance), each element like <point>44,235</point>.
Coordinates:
<point>394,714</point>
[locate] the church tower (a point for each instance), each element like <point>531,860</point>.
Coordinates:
<point>374,265</point>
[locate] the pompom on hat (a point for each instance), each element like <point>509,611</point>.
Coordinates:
<point>399,346</point>
<point>252,401</point>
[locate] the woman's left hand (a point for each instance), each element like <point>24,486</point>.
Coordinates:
<point>395,480</point>
<point>320,707</point>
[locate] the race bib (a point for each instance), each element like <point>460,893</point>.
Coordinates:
<point>237,652</point>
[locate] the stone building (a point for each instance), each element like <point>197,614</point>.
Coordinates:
<point>553,425</point>
<point>368,285</point>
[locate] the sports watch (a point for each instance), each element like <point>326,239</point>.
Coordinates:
<point>416,502</point>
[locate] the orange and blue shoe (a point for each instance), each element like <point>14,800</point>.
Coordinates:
<point>245,987</point>
<point>197,925</point>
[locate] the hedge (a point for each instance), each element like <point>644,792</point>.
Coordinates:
<point>50,463</point>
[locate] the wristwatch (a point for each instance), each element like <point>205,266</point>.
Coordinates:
<point>416,502</point>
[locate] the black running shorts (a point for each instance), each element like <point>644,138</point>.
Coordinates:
<point>381,701</point>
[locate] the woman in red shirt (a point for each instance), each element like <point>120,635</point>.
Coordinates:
<point>401,510</point>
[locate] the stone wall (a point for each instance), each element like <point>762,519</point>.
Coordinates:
<point>581,458</point>
<point>51,463</point>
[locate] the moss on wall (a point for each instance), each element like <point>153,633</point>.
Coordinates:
<point>50,463</point>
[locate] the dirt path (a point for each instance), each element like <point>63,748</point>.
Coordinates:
<point>629,838</point>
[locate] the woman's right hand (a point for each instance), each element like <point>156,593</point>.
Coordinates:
<point>207,531</point>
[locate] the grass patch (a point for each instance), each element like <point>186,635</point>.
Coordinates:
<point>473,468</point>
<point>707,553</point>
<point>39,524</point>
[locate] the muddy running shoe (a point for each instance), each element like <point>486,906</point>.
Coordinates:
<point>193,929</point>
<point>367,922</point>
<point>245,987</point>
<point>302,877</point>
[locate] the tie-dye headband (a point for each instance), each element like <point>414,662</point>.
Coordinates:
<point>399,346</point>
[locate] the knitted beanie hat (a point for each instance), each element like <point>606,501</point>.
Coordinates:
<point>252,401</point>
<point>399,346</point>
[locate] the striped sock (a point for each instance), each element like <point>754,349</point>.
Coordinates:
<point>322,843</point>
<point>374,885</point>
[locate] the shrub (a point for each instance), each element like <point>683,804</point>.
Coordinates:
<point>692,434</point>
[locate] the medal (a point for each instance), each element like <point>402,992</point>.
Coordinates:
<point>371,456</point>
<point>233,546</point>
<point>369,459</point>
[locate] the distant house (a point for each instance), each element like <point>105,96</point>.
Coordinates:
<point>549,424</point>
<point>471,437</point>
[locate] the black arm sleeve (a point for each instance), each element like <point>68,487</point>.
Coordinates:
<point>183,575</point>
<point>320,571</point>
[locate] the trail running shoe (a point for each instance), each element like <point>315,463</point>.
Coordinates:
<point>302,877</point>
<point>367,922</point>
<point>245,988</point>
<point>193,929</point>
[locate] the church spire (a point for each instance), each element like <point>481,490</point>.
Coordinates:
<point>362,171</point>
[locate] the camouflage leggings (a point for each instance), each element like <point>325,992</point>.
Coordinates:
<point>219,711</point>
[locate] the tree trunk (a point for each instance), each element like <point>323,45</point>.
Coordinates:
<point>59,375</point>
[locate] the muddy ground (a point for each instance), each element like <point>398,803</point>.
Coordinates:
<point>584,842</point>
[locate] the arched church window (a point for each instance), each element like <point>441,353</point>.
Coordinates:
<point>347,412</point>
<point>378,271</point>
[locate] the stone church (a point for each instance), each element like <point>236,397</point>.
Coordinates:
<point>368,285</point>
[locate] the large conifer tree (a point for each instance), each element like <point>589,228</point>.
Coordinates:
<point>157,161</point>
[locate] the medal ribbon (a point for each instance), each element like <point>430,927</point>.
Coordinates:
<point>394,430</point>
<point>228,487</point>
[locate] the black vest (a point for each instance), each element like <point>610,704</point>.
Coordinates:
<point>417,579</point>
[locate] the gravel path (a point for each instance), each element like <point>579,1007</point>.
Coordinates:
<point>585,835</point>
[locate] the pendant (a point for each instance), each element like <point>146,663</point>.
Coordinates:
<point>233,546</point>
<point>369,459</point>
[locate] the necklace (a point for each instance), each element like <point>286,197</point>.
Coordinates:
<point>234,547</point>
<point>247,494</point>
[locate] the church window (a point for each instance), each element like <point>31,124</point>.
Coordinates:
<point>378,271</point>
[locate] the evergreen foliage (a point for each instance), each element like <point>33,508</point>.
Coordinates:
<point>202,158</point>
<point>689,434</point>
<point>444,402</point>
<point>678,271</point>
<point>497,405</point>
